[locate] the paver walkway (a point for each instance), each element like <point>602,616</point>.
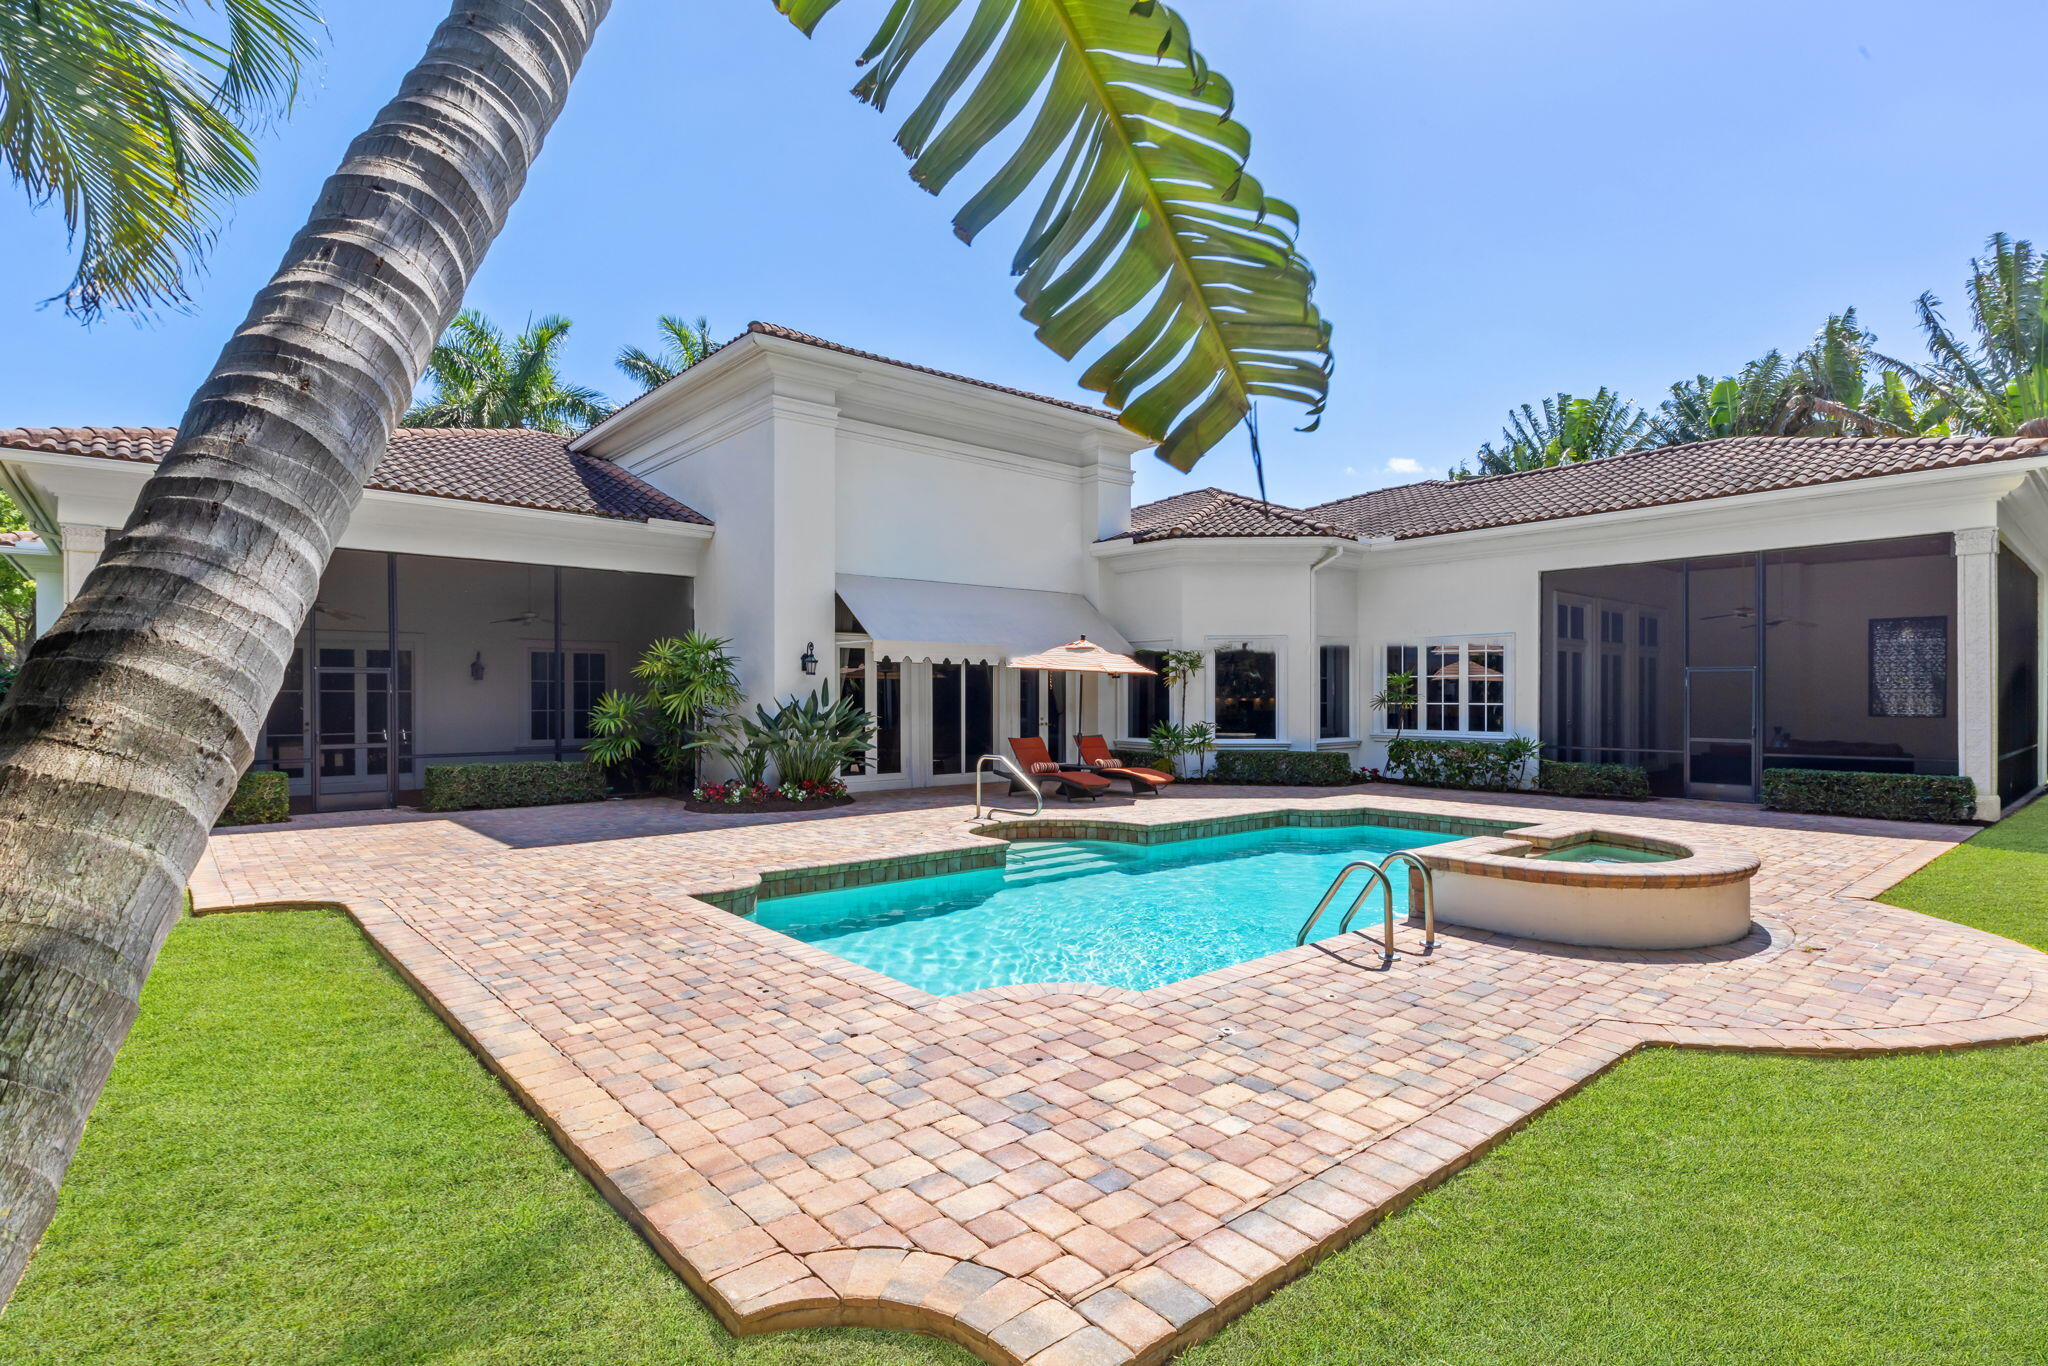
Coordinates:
<point>1068,1177</point>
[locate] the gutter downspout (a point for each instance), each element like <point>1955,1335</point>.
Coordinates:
<point>1315,635</point>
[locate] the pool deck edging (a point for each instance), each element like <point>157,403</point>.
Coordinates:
<point>700,1201</point>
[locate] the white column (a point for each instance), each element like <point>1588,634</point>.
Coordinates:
<point>1976,552</point>
<point>803,557</point>
<point>1106,492</point>
<point>82,546</point>
<point>1303,673</point>
<point>50,595</point>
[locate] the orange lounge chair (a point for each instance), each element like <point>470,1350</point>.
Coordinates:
<point>1037,761</point>
<point>1095,753</point>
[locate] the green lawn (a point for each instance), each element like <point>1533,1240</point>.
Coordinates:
<point>296,1163</point>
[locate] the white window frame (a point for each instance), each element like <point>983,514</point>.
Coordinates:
<point>1273,645</point>
<point>570,648</point>
<point>1123,696</point>
<point>906,697</point>
<point>1422,645</point>
<point>1354,702</point>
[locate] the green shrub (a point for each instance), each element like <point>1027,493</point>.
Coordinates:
<point>1592,780</point>
<point>1887,796</point>
<point>1284,767</point>
<point>263,797</point>
<point>1484,765</point>
<point>474,787</point>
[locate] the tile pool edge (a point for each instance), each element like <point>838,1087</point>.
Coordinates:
<point>993,838</point>
<point>770,883</point>
<point>1504,855</point>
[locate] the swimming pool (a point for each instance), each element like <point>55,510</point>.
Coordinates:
<point>1117,915</point>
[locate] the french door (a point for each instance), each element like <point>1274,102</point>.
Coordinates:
<point>362,723</point>
<point>933,719</point>
<point>1049,706</point>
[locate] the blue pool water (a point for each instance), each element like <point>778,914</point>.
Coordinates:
<point>1083,911</point>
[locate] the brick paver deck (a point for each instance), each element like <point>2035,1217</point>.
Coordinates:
<point>1068,1176</point>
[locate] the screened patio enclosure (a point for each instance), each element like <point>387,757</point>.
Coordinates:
<point>1708,672</point>
<point>409,661</point>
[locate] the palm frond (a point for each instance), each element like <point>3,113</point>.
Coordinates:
<point>684,343</point>
<point>1565,430</point>
<point>478,377</point>
<point>1150,232</point>
<point>142,170</point>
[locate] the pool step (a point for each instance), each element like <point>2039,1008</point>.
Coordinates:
<point>1046,862</point>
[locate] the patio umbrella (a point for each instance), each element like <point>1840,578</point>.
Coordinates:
<point>1081,657</point>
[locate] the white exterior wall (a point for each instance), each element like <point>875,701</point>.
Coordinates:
<point>813,464</point>
<point>1203,594</point>
<point>1490,582</point>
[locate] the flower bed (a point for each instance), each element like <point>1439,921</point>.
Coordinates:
<point>733,798</point>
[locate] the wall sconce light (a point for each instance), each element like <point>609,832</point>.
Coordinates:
<point>810,659</point>
<point>476,667</point>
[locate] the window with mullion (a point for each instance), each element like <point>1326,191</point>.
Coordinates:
<point>1461,687</point>
<point>1486,680</point>
<point>1443,682</point>
<point>1402,659</point>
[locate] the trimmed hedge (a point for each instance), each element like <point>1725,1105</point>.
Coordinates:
<point>262,797</point>
<point>475,787</point>
<point>1887,796</point>
<point>1284,767</point>
<point>1592,780</point>
<point>1479,765</point>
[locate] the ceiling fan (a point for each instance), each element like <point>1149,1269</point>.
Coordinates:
<point>1747,615</point>
<point>531,615</point>
<point>338,613</point>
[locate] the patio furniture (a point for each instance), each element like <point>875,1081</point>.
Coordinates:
<point>1037,762</point>
<point>1096,753</point>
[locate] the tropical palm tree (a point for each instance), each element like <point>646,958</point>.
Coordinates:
<point>683,344</point>
<point>136,713</point>
<point>1840,389</point>
<point>480,379</point>
<point>1564,431</point>
<point>1831,388</point>
<point>143,168</point>
<point>1994,382</point>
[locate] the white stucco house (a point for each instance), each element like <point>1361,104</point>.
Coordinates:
<point>1707,612</point>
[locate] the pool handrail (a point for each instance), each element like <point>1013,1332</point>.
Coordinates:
<point>1380,876</point>
<point>1386,886</point>
<point>1336,885</point>
<point>1428,884</point>
<point>1016,775</point>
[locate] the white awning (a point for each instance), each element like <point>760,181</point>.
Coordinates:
<point>923,619</point>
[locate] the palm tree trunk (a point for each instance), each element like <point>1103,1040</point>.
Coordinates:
<point>134,716</point>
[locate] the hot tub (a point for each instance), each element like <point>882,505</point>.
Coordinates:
<point>1573,884</point>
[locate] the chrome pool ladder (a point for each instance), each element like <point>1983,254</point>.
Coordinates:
<point>1376,875</point>
<point>1016,776</point>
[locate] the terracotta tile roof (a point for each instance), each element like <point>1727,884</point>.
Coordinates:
<point>1219,512</point>
<point>761,329</point>
<point>509,468</point>
<point>1643,479</point>
<point>776,330</point>
<point>19,538</point>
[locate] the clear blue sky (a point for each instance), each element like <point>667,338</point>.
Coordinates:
<point>1503,199</point>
